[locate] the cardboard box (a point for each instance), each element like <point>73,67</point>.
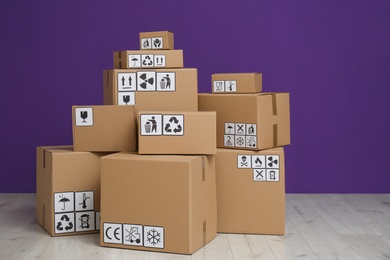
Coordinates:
<point>251,191</point>
<point>104,128</point>
<point>158,203</point>
<point>149,90</point>
<point>237,83</point>
<point>68,190</point>
<point>162,40</point>
<point>147,59</point>
<point>177,132</point>
<point>250,121</point>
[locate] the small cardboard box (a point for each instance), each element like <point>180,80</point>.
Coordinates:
<point>162,89</point>
<point>250,121</point>
<point>237,83</point>
<point>147,59</point>
<point>104,129</point>
<point>177,132</point>
<point>68,190</point>
<point>162,40</point>
<point>251,191</point>
<point>158,203</point>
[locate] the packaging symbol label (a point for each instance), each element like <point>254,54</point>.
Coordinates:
<point>225,86</point>
<point>159,60</point>
<point>240,135</point>
<point>133,235</point>
<point>146,81</point>
<point>112,233</point>
<point>154,237</point>
<point>97,220</point>
<point>151,124</point>
<point>147,60</point>
<point>64,223</point>
<point>244,161</point>
<point>158,124</point>
<point>126,98</point>
<point>219,86</point>
<point>84,200</point>
<point>134,61</point>
<point>84,116</point>
<point>152,43</point>
<point>63,202</point>
<point>85,221</point>
<point>231,86</point>
<point>166,81</point>
<point>127,81</point>
<point>173,124</point>
<point>264,167</point>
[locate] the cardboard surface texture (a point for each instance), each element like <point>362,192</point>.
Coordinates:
<point>167,132</point>
<point>104,128</point>
<point>147,59</point>
<point>162,89</point>
<point>251,191</point>
<point>161,40</point>
<point>148,206</point>
<point>250,121</point>
<point>237,82</point>
<point>68,190</point>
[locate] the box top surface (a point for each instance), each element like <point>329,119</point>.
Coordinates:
<point>266,151</point>
<point>162,158</point>
<point>238,73</point>
<point>242,94</point>
<point>179,112</point>
<point>58,149</point>
<point>154,69</point>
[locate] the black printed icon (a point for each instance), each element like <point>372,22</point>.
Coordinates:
<point>84,115</point>
<point>84,202</point>
<point>145,44</point>
<point>272,175</point>
<point>272,161</point>
<point>160,60</point>
<point>146,81</point>
<point>134,60</point>
<point>173,124</point>
<point>251,141</point>
<point>230,87</point>
<point>65,223</point>
<point>126,99</point>
<point>244,161</point>
<point>165,82</point>
<point>230,128</point>
<point>84,221</point>
<point>258,161</point>
<point>240,141</point>
<point>240,129</point>
<point>153,237</point>
<point>173,121</point>
<point>124,82</point>
<point>151,125</point>
<point>147,61</point>
<point>259,174</point>
<point>251,130</point>
<point>115,233</point>
<point>63,200</point>
<point>133,235</point>
<point>157,43</point>
<point>228,140</point>
<point>219,86</point>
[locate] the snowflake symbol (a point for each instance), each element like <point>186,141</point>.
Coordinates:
<point>153,237</point>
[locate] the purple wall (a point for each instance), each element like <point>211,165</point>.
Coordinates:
<point>332,56</point>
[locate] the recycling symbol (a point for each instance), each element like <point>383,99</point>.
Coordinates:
<point>64,224</point>
<point>173,126</point>
<point>147,61</point>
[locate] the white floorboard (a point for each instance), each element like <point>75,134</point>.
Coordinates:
<point>318,226</point>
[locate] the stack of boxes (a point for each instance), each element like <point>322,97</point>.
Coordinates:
<point>145,169</point>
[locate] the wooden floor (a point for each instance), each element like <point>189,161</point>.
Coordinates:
<point>318,226</point>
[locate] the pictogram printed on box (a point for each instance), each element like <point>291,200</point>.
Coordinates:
<point>272,161</point>
<point>239,141</point>
<point>219,86</point>
<point>64,223</point>
<point>230,128</point>
<point>97,220</point>
<point>258,161</point>
<point>166,81</point>
<point>146,43</point>
<point>151,124</point>
<point>146,81</point>
<point>251,129</point>
<point>159,60</point>
<point>63,202</point>
<point>112,233</point>
<point>126,98</point>
<point>173,124</point>
<point>240,128</point>
<point>244,161</point>
<point>127,81</point>
<point>84,200</point>
<point>273,175</point>
<point>153,236</point>
<point>85,221</point>
<point>133,235</point>
<point>231,86</point>
<point>229,140</point>
<point>259,175</point>
<point>147,60</point>
<point>84,116</point>
<point>250,141</point>
<point>157,43</point>
<point>134,61</point>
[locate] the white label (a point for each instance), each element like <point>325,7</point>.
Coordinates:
<point>157,43</point>
<point>251,129</point>
<point>97,220</point>
<point>134,61</point>
<point>272,175</point>
<point>239,141</point>
<point>258,161</point>
<point>231,86</point>
<point>146,43</point>
<point>272,161</point>
<point>229,140</point>
<point>230,128</point>
<point>127,81</point>
<point>147,60</point>
<point>112,233</point>
<point>151,124</point>
<point>159,60</point>
<point>126,98</point>
<point>85,221</point>
<point>64,223</point>
<point>132,235</point>
<point>219,86</point>
<point>173,124</point>
<point>84,200</point>
<point>259,175</point>
<point>244,161</point>
<point>146,81</point>
<point>240,129</point>
<point>250,141</point>
<point>154,237</point>
<point>84,116</point>
<point>63,202</point>
<point>166,81</point>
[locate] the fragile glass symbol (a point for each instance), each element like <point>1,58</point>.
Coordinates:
<point>133,236</point>
<point>84,115</point>
<point>126,99</point>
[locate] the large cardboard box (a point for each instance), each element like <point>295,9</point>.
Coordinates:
<point>68,190</point>
<point>104,128</point>
<point>163,89</point>
<point>176,132</point>
<point>147,59</point>
<point>158,202</point>
<point>237,82</point>
<point>161,40</point>
<point>250,121</point>
<point>251,191</point>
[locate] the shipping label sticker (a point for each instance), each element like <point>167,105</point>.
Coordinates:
<point>230,128</point>
<point>250,141</point>
<point>112,233</point>
<point>84,116</point>
<point>133,235</point>
<point>229,140</point>
<point>146,81</point>
<point>272,161</point>
<point>146,43</point>
<point>153,237</point>
<point>240,129</point>
<point>127,81</point>
<point>84,200</point>
<point>251,129</point>
<point>97,220</point>
<point>259,175</point>
<point>147,60</point>
<point>239,141</point>
<point>272,175</point>
<point>173,124</point>
<point>126,98</point>
<point>151,124</point>
<point>159,60</point>
<point>244,161</point>
<point>85,221</point>
<point>64,223</point>
<point>63,202</point>
<point>166,81</point>
<point>258,161</point>
<point>231,86</point>
<point>134,61</point>
<point>219,86</point>
<point>157,43</point>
